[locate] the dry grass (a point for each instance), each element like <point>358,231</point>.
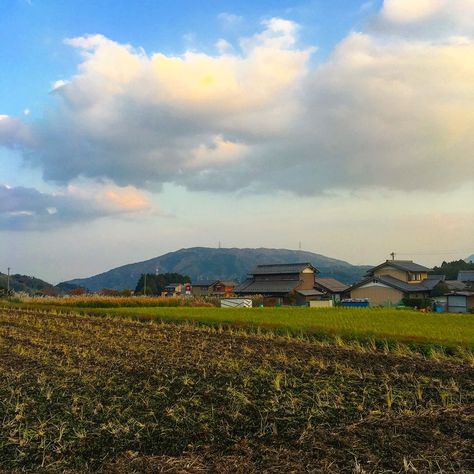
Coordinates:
<point>87,394</point>
<point>101,301</point>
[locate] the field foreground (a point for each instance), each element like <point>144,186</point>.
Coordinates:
<point>381,324</point>
<point>82,394</point>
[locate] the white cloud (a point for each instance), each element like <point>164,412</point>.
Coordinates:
<point>384,110</point>
<point>24,208</point>
<point>223,46</point>
<point>427,18</point>
<point>229,20</point>
<point>409,10</point>
<point>138,119</point>
<point>14,132</point>
<point>278,34</point>
<point>58,84</point>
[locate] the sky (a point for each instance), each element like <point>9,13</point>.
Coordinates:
<point>131,129</point>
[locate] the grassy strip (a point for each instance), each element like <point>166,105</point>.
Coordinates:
<point>406,326</point>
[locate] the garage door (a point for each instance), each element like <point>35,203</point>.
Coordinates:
<point>457,304</point>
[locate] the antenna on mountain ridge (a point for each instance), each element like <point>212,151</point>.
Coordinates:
<point>393,255</point>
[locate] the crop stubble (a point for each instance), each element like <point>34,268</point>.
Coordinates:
<point>83,393</point>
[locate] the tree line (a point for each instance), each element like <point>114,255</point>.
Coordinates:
<point>156,284</point>
<point>451,269</point>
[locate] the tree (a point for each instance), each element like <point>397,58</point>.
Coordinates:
<point>155,284</point>
<point>440,289</point>
<point>79,291</point>
<point>451,269</point>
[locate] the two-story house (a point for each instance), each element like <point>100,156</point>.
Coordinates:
<point>287,283</point>
<point>388,283</point>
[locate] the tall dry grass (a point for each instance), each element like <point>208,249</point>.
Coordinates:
<point>100,301</point>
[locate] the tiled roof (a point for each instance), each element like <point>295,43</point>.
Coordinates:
<point>405,265</point>
<point>281,268</point>
<point>395,283</point>
<point>402,285</point>
<point>262,287</point>
<point>205,283</point>
<point>431,283</point>
<point>331,284</point>
<point>455,285</point>
<point>466,275</point>
<point>437,277</point>
<point>310,292</point>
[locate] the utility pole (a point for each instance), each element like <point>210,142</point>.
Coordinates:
<point>299,245</point>
<point>8,281</point>
<point>144,285</point>
<point>393,255</point>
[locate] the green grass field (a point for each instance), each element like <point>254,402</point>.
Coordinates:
<point>380,324</point>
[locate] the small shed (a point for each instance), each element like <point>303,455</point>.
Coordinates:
<point>460,301</point>
<point>332,287</point>
<point>303,297</point>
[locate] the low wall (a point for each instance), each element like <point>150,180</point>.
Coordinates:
<point>321,304</point>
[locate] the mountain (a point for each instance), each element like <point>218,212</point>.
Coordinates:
<point>202,263</point>
<point>33,285</point>
<point>27,284</point>
<point>470,259</point>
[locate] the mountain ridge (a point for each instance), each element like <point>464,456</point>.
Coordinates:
<point>205,263</point>
<point>25,283</point>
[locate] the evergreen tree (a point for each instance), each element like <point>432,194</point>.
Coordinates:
<point>451,269</point>
<point>155,284</point>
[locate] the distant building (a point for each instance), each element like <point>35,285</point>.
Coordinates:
<point>203,288</point>
<point>460,301</point>
<point>388,283</point>
<point>220,288</point>
<point>466,277</point>
<point>455,285</point>
<point>332,287</point>
<point>223,288</point>
<point>460,298</point>
<point>176,289</point>
<point>288,283</point>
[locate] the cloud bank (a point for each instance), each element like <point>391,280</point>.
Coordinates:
<point>24,208</point>
<point>392,107</point>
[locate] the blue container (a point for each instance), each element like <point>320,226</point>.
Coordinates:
<point>355,303</point>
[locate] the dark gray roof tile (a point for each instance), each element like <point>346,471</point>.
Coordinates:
<point>263,287</point>
<point>331,284</point>
<point>466,275</point>
<point>395,283</point>
<point>310,292</point>
<point>405,265</point>
<point>281,268</point>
